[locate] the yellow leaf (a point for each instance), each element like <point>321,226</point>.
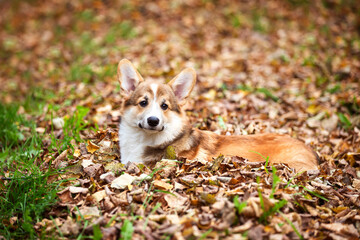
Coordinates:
<point>77,153</point>
<point>339,209</point>
<point>210,95</point>
<point>92,147</point>
<point>170,153</point>
<point>312,109</point>
<point>207,197</point>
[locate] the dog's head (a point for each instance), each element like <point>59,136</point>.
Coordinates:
<point>150,105</point>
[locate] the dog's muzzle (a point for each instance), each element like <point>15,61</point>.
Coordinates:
<point>151,124</point>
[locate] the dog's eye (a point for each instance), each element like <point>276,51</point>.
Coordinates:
<point>143,103</point>
<point>164,106</point>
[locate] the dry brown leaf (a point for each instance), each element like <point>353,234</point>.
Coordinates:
<point>108,177</point>
<point>65,196</point>
<point>242,228</point>
<point>356,184</point>
<point>100,195</point>
<point>92,170</point>
<point>88,212</point>
<point>176,201</point>
<point>342,229</point>
<point>70,227</point>
<point>60,158</point>
<point>158,184</point>
<point>120,199</point>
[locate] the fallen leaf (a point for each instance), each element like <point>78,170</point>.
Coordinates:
<point>58,123</point>
<point>86,163</point>
<point>114,167</point>
<point>92,147</point>
<point>108,177</point>
<point>356,184</point>
<point>342,229</point>
<point>331,123</point>
<point>82,190</point>
<point>92,170</point>
<point>60,158</point>
<point>77,153</point>
<point>123,181</point>
<point>315,122</point>
<point>166,166</point>
<point>65,196</point>
<point>70,227</point>
<point>40,130</point>
<point>100,195</point>
<point>88,212</point>
<point>207,197</point>
<point>175,201</point>
<point>158,184</point>
<point>242,228</point>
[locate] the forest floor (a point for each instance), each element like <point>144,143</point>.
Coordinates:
<point>287,67</point>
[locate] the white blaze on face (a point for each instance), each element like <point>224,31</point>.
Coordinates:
<point>154,88</point>
<point>154,110</point>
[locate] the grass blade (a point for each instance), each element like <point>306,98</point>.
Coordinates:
<point>127,230</point>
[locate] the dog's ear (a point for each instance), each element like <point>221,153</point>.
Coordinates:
<point>183,83</point>
<point>128,76</point>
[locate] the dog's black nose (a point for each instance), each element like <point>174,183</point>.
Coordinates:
<point>153,121</point>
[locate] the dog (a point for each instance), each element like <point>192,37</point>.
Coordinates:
<point>152,119</point>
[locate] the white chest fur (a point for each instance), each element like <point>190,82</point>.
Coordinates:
<point>132,146</point>
<point>134,140</point>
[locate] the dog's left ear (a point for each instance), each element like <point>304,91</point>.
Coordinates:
<point>183,83</point>
<point>128,76</point>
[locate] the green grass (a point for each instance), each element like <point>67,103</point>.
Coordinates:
<point>124,30</point>
<point>264,218</point>
<point>37,98</point>
<point>127,230</point>
<point>275,209</point>
<point>344,121</point>
<point>268,94</point>
<point>260,22</point>
<point>275,181</point>
<point>239,205</point>
<point>205,234</point>
<point>25,189</point>
<point>72,127</point>
<point>81,73</point>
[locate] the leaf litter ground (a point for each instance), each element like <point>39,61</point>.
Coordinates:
<point>263,66</point>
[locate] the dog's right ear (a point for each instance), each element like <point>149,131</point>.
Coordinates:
<point>128,76</point>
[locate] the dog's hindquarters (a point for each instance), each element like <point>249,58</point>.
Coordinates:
<point>278,148</point>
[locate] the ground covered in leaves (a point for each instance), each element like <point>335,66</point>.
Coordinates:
<point>263,66</point>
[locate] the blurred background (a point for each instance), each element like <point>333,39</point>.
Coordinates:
<point>256,57</point>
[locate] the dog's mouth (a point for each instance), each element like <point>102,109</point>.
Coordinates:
<point>151,129</point>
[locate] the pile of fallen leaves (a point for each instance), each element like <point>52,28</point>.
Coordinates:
<point>263,66</point>
<point>189,199</point>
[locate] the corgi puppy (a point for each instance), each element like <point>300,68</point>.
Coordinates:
<point>152,120</point>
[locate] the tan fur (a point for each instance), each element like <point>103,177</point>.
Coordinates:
<point>255,148</point>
